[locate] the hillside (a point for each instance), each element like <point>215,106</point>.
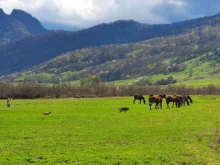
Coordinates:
<point>30,51</point>
<point>192,54</point>
<point>18,25</point>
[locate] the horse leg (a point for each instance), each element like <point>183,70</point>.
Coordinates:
<point>178,104</point>
<point>187,101</point>
<point>150,105</point>
<point>168,106</point>
<point>173,104</point>
<point>134,101</point>
<point>184,101</point>
<point>156,106</point>
<point>161,105</point>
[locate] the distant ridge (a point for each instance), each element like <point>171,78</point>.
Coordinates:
<point>34,50</point>
<point>32,24</point>
<point>2,14</point>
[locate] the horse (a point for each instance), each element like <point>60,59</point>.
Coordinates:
<point>188,99</point>
<point>185,99</point>
<point>175,99</point>
<point>157,100</point>
<point>139,97</point>
<point>182,100</point>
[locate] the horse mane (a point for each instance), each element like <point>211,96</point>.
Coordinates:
<point>163,96</point>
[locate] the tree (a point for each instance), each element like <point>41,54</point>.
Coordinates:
<point>190,73</point>
<point>90,80</point>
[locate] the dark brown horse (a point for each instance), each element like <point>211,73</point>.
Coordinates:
<point>174,99</point>
<point>188,99</point>
<point>185,99</point>
<point>140,98</point>
<point>157,100</point>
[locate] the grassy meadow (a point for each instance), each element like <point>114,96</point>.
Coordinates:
<point>92,131</point>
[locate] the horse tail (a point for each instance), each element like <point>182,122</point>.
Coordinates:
<point>150,99</point>
<point>168,100</point>
<point>178,102</point>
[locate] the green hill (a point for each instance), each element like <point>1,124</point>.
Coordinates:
<point>190,56</point>
<point>33,50</point>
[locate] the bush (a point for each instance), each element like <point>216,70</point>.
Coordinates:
<point>169,80</point>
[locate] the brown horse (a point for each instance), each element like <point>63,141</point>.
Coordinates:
<point>182,100</point>
<point>175,99</point>
<point>157,100</point>
<point>139,97</point>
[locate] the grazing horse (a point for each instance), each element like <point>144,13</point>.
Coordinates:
<point>182,100</point>
<point>139,97</point>
<point>188,99</point>
<point>157,100</point>
<point>175,99</point>
<point>185,99</point>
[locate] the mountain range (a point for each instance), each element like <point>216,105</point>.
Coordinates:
<point>114,51</point>
<point>18,25</point>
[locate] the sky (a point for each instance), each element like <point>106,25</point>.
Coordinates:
<point>87,13</point>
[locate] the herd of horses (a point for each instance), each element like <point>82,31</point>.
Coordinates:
<point>177,100</point>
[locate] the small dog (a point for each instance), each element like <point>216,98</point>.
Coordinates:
<point>47,113</point>
<point>125,109</point>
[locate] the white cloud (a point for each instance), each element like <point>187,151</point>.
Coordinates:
<point>87,13</point>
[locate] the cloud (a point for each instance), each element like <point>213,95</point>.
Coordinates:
<point>86,13</point>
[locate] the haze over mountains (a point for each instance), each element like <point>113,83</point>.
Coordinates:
<point>26,43</point>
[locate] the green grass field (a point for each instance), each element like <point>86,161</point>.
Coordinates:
<point>92,131</point>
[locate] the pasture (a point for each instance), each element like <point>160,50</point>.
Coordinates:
<point>92,131</point>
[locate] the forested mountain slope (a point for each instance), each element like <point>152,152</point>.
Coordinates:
<point>162,55</point>
<point>34,50</point>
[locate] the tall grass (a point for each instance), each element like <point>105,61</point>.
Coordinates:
<point>92,131</point>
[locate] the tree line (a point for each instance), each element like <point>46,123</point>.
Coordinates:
<point>65,90</point>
